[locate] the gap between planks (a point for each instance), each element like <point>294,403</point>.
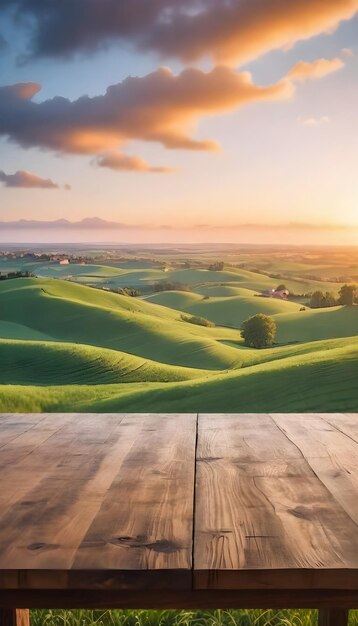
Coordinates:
<point>194,502</point>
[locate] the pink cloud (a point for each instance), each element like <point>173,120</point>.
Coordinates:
<point>24,179</point>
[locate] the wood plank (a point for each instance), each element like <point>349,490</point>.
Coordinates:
<point>263,519</point>
<point>29,452</point>
<point>13,425</point>
<point>145,521</point>
<point>345,422</point>
<point>102,492</point>
<point>14,617</point>
<point>44,522</point>
<point>329,444</point>
<point>333,617</point>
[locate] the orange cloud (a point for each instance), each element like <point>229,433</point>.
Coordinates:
<point>227,30</point>
<point>24,179</point>
<point>23,91</point>
<point>160,107</point>
<point>125,163</point>
<point>241,30</point>
<point>318,69</point>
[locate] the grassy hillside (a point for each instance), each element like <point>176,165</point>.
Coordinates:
<point>315,324</point>
<point>225,311</point>
<point>179,300</point>
<point>276,386</point>
<point>248,280</point>
<point>142,275</point>
<point>48,363</point>
<point>224,291</point>
<point>74,313</point>
<point>68,347</point>
<point>10,330</point>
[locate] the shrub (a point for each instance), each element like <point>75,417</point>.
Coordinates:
<point>322,300</point>
<point>129,291</point>
<point>168,286</point>
<point>348,294</point>
<point>259,331</point>
<point>196,319</point>
<point>216,267</point>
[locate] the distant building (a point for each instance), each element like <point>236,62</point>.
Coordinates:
<point>282,294</point>
<point>64,262</point>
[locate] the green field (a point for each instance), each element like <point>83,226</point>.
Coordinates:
<point>224,311</point>
<point>70,347</point>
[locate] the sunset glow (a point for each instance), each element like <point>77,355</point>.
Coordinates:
<point>231,121</point>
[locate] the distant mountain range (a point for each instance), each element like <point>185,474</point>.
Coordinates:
<point>87,223</point>
<point>97,223</point>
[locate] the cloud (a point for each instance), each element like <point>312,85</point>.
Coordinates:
<point>159,107</point>
<point>347,52</point>
<point>124,163</point>
<point>227,30</point>
<point>314,121</point>
<point>23,179</point>
<point>318,69</point>
<point>237,31</point>
<point>21,91</point>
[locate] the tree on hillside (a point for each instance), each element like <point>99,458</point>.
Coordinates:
<point>259,331</point>
<point>281,287</point>
<point>168,286</point>
<point>216,267</point>
<point>348,294</point>
<point>322,300</point>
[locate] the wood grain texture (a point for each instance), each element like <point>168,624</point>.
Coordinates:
<point>87,493</point>
<point>100,510</point>
<point>333,617</point>
<point>329,443</point>
<point>265,518</point>
<point>14,617</point>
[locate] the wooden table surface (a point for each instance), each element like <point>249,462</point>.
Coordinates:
<point>180,510</point>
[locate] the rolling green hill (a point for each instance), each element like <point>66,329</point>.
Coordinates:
<point>225,311</point>
<point>179,300</point>
<point>10,330</point>
<point>68,347</point>
<point>224,291</point>
<point>277,386</point>
<point>142,275</point>
<point>315,324</point>
<point>49,363</point>
<point>74,313</point>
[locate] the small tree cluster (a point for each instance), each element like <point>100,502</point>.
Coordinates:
<point>348,294</point>
<point>129,291</point>
<point>259,331</point>
<point>19,274</point>
<point>322,300</point>
<point>218,266</point>
<point>168,286</point>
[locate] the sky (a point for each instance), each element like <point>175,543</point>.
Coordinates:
<point>198,120</point>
